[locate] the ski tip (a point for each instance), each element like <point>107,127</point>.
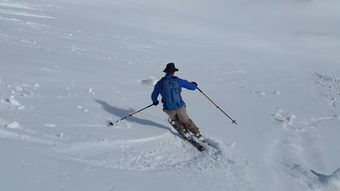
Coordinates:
<point>201,149</point>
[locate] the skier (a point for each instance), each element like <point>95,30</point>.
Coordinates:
<point>170,88</point>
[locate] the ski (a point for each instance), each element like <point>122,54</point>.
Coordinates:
<point>190,139</point>
<point>197,145</point>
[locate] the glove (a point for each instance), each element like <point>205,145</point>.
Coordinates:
<point>194,83</point>
<point>156,103</point>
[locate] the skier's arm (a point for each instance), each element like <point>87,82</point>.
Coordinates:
<point>186,84</point>
<point>156,92</point>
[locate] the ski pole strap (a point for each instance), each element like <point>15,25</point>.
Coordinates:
<point>233,121</point>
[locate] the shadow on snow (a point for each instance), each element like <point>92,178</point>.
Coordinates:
<point>124,112</point>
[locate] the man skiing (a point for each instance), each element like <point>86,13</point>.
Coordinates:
<point>170,88</point>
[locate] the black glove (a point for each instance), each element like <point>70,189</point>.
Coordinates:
<point>194,83</point>
<point>156,103</point>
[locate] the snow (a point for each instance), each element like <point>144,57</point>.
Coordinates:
<point>11,100</point>
<point>69,66</point>
<point>13,125</point>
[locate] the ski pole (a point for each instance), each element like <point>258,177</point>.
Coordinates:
<point>233,121</point>
<point>134,113</point>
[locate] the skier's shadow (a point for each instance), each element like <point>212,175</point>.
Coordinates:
<point>123,112</point>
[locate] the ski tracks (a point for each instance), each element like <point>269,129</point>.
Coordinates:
<point>22,20</point>
<point>167,152</point>
<point>300,145</point>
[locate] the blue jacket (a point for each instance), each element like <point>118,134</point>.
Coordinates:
<point>158,89</point>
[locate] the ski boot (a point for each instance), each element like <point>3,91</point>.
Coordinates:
<point>185,133</point>
<point>199,136</point>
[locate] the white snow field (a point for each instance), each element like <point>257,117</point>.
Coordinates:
<point>67,66</point>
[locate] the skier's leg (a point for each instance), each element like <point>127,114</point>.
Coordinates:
<point>174,118</point>
<point>186,121</point>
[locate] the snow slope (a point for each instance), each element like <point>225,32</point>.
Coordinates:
<point>68,66</point>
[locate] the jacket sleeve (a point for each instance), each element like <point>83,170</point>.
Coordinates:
<point>186,84</point>
<point>156,91</point>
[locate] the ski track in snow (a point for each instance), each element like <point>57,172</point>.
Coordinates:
<point>162,152</point>
<point>296,140</point>
<point>165,152</point>
<point>16,5</point>
<point>32,29</point>
<point>26,138</point>
<point>24,14</point>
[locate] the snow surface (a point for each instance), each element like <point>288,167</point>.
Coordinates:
<point>67,66</point>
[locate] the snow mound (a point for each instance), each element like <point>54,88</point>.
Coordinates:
<point>13,125</point>
<point>284,118</point>
<point>11,100</point>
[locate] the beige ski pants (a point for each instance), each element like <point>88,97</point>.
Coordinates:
<point>182,120</point>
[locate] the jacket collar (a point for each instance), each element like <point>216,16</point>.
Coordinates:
<point>169,76</point>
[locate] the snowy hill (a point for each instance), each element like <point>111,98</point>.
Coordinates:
<point>68,66</point>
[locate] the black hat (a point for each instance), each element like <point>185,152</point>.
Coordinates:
<point>170,68</point>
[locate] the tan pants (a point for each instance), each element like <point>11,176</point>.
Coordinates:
<point>182,120</point>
